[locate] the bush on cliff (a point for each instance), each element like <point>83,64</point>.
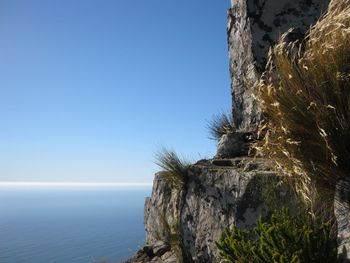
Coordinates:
<point>285,238</point>
<point>174,168</point>
<point>305,97</point>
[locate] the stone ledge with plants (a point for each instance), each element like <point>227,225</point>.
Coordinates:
<point>279,193</point>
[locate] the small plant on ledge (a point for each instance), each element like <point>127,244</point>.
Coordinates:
<point>221,124</point>
<point>174,168</point>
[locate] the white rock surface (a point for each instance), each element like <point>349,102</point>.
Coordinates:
<point>214,197</point>
<point>253,26</point>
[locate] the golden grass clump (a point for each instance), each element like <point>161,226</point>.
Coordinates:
<point>305,97</point>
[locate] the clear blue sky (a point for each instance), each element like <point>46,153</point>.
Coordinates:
<point>91,89</point>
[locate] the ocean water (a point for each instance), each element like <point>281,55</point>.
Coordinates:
<point>70,225</point>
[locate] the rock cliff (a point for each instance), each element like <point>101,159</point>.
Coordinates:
<point>253,27</point>
<point>216,194</point>
<point>182,224</point>
<point>342,212</point>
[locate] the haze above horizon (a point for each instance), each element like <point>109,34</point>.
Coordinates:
<point>90,89</point>
<point>71,184</point>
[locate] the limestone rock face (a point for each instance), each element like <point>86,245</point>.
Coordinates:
<point>162,210</point>
<point>182,224</point>
<point>342,213</point>
<point>214,197</point>
<point>253,27</point>
<point>156,253</point>
<point>234,145</point>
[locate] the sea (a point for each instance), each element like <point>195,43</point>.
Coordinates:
<point>71,224</point>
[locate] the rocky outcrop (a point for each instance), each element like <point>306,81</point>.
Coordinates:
<point>235,144</point>
<point>342,213</point>
<point>182,224</point>
<point>216,195</point>
<point>159,252</point>
<point>253,27</point>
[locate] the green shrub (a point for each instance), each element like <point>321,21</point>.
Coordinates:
<point>174,169</point>
<point>221,124</point>
<point>284,238</point>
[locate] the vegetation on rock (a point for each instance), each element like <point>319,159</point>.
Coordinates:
<point>298,238</point>
<point>221,124</point>
<point>305,97</point>
<point>174,168</point>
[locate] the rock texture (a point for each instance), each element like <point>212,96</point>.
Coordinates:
<point>253,26</point>
<point>235,144</point>
<point>159,252</point>
<point>182,224</point>
<point>216,195</point>
<point>342,212</point>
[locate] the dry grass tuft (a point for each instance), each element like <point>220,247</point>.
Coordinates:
<point>305,97</point>
<point>221,124</point>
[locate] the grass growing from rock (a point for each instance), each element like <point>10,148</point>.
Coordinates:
<point>174,168</point>
<point>305,98</point>
<point>219,125</point>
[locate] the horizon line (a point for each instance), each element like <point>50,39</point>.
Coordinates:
<point>71,184</point>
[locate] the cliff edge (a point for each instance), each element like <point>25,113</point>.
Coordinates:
<point>187,222</point>
<point>183,224</point>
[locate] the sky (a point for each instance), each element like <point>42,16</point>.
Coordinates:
<point>90,90</point>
